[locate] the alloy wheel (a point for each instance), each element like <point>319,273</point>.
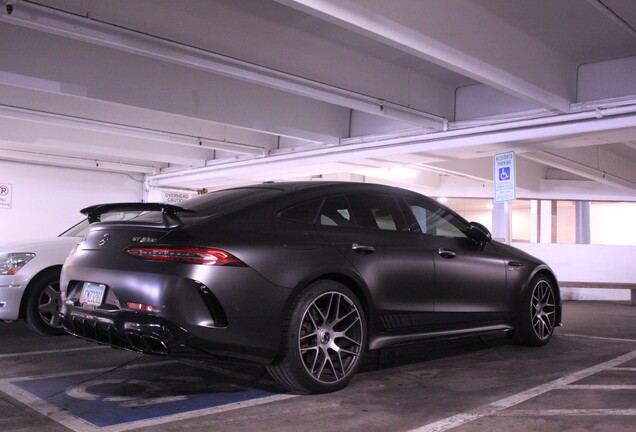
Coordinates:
<point>543,309</point>
<point>330,338</point>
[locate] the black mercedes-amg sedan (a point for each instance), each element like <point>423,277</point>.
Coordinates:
<point>302,277</point>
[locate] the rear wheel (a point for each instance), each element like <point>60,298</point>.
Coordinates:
<point>538,315</point>
<point>324,340</point>
<point>43,304</point>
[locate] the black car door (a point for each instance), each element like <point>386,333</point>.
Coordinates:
<point>470,279</point>
<point>369,230</point>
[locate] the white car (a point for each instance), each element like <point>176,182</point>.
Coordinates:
<point>30,273</point>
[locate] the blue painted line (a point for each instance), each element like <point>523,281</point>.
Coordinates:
<point>133,394</point>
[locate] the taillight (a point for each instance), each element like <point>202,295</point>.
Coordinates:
<point>189,255</point>
<point>143,307</point>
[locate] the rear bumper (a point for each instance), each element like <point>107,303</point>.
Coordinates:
<point>151,334</point>
<point>126,330</point>
<point>224,312</point>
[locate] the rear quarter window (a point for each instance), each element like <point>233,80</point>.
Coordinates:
<point>304,213</point>
<point>377,211</point>
<point>367,211</point>
<point>330,211</point>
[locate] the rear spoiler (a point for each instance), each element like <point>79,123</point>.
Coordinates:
<point>169,211</point>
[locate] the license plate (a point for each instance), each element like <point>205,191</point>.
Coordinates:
<point>92,294</point>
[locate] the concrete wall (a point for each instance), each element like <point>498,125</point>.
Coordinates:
<point>47,200</point>
<point>588,263</point>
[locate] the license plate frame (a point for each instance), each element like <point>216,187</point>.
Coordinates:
<point>92,294</point>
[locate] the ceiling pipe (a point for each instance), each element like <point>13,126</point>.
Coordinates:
<point>509,134</point>
<point>75,162</point>
<point>585,171</point>
<point>100,33</point>
<point>596,113</point>
<point>129,131</point>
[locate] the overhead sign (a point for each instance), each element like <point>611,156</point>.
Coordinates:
<point>505,177</point>
<point>176,197</point>
<point>5,195</point>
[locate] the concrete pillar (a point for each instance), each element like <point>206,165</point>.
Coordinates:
<point>582,222</point>
<point>545,222</point>
<point>535,225</point>
<point>501,217</point>
<point>553,219</point>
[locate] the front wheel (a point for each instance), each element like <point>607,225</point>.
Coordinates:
<point>323,341</point>
<point>538,314</point>
<point>43,304</point>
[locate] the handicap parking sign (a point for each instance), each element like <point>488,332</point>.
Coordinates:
<point>504,173</point>
<point>504,177</point>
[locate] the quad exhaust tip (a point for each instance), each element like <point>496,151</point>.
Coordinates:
<point>146,343</point>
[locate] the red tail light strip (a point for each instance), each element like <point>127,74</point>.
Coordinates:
<point>189,255</point>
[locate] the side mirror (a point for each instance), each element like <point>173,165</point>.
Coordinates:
<point>479,233</point>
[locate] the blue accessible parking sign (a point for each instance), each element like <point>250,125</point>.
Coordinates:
<point>505,177</point>
<point>504,173</point>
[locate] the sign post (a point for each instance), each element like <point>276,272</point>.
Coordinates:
<point>505,177</point>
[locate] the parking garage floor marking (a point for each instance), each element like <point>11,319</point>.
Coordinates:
<point>567,412</point>
<point>599,338</point>
<point>28,353</point>
<point>133,396</point>
<point>494,409</point>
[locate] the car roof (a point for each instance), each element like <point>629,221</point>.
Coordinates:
<point>325,185</point>
<point>283,194</point>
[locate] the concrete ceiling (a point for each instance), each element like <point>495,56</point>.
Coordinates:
<point>419,93</point>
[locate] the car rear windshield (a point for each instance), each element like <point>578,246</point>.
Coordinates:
<point>82,227</point>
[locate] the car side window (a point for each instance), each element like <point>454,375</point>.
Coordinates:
<point>377,212</point>
<point>335,211</point>
<point>435,220</point>
<point>304,213</point>
<point>354,211</point>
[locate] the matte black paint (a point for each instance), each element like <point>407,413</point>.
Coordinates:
<point>411,285</point>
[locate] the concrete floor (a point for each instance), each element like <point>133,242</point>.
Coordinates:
<point>583,380</point>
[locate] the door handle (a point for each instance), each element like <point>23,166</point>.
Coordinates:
<point>515,264</point>
<point>446,253</point>
<point>362,249</point>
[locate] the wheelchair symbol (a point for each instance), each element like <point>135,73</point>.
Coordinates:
<point>504,173</point>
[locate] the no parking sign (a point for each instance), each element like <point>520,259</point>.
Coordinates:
<point>5,195</point>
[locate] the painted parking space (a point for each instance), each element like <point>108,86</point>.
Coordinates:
<point>466,385</point>
<point>508,406</point>
<point>139,395</point>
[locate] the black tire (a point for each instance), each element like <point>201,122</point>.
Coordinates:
<point>324,339</point>
<point>538,313</point>
<point>43,304</point>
